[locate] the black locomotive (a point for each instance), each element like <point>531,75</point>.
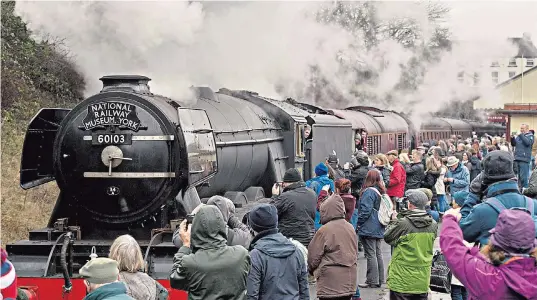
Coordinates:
<point>129,161</point>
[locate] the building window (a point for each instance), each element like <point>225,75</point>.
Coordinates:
<point>495,64</point>
<point>529,62</point>
<point>476,78</point>
<point>512,62</point>
<point>512,74</point>
<point>495,77</point>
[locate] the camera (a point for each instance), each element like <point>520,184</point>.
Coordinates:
<point>189,219</point>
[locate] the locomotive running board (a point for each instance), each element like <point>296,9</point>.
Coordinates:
<point>129,175</point>
<point>143,138</point>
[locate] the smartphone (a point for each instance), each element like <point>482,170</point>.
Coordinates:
<point>189,219</point>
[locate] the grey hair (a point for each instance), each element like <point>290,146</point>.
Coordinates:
<point>126,251</point>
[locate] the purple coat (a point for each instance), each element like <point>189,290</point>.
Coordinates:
<point>482,279</point>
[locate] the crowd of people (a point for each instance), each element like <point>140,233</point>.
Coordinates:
<point>479,193</point>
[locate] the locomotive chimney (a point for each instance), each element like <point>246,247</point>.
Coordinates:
<point>129,83</point>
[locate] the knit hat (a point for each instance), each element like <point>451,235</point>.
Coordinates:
<point>263,217</point>
<point>460,197</point>
<point>451,161</point>
<point>497,166</point>
<point>417,198</point>
<point>8,281</point>
<point>100,270</point>
<point>514,232</point>
<point>321,169</point>
<point>293,175</point>
<point>427,192</point>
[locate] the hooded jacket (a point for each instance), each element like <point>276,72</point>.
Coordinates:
<point>461,179</point>
<point>516,279</point>
<point>237,232</point>
<point>396,187</point>
<point>210,269</point>
<point>296,212</point>
<point>368,217</point>
<point>412,234</point>
<point>477,220</point>
<point>476,167</point>
<point>523,144</point>
<point>111,291</point>
<point>278,269</point>
<point>333,252</point>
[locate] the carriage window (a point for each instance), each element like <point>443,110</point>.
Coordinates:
<point>200,143</point>
<point>300,140</point>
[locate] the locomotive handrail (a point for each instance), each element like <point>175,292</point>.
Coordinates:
<point>149,247</point>
<point>52,252</point>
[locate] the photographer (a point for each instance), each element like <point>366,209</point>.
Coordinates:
<point>205,266</point>
<point>523,144</point>
<point>496,181</point>
<point>237,232</point>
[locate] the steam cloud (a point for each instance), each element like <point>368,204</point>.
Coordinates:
<point>267,47</point>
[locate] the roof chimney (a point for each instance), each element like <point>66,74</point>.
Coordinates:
<point>128,83</point>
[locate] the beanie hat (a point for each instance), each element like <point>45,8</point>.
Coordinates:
<point>292,175</point>
<point>497,166</point>
<point>321,169</point>
<point>100,270</point>
<point>263,217</point>
<point>460,197</point>
<point>417,198</point>
<point>514,232</point>
<point>427,192</point>
<point>8,281</point>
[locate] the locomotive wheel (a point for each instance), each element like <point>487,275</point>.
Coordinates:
<point>238,198</point>
<point>254,193</point>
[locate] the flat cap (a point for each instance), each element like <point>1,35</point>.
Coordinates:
<point>100,270</point>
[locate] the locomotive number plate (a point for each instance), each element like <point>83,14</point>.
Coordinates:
<point>111,139</point>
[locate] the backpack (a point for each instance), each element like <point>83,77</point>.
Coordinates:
<point>498,206</point>
<point>386,208</point>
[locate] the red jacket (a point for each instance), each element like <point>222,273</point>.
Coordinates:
<point>397,180</point>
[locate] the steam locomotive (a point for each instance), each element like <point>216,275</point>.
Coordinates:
<point>130,161</point>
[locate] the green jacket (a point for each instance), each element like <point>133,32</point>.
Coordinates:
<point>111,291</point>
<point>412,235</point>
<point>210,269</point>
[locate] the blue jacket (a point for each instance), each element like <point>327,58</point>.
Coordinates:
<point>322,181</point>
<point>278,269</point>
<point>461,179</point>
<point>111,291</point>
<point>368,217</point>
<point>523,143</point>
<point>477,220</point>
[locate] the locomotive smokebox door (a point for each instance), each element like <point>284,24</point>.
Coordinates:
<point>117,155</point>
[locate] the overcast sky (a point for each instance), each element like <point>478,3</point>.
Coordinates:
<point>492,19</point>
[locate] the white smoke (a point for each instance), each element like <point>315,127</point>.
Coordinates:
<point>267,47</point>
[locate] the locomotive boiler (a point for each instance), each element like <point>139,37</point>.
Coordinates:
<point>130,161</point>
